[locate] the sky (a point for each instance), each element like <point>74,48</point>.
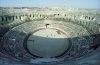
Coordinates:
<point>51,3</point>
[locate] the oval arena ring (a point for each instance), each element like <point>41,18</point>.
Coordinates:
<point>48,42</point>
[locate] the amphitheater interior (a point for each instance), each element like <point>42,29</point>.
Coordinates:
<point>49,36</point>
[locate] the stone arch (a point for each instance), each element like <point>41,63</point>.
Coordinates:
<point>33,15</point>
<point>30,15</point>
<point>40,15</point>
<point>89,18</point>
<point>13,18</point>
<point>86,17</point>
<point>3,18</point>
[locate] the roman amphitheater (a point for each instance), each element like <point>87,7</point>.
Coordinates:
<point>49,36</point>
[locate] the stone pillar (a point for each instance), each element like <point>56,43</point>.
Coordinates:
<point>22,17</point>
<point>6,18</point>
<point>14,17</point>
<point>19,17</point>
